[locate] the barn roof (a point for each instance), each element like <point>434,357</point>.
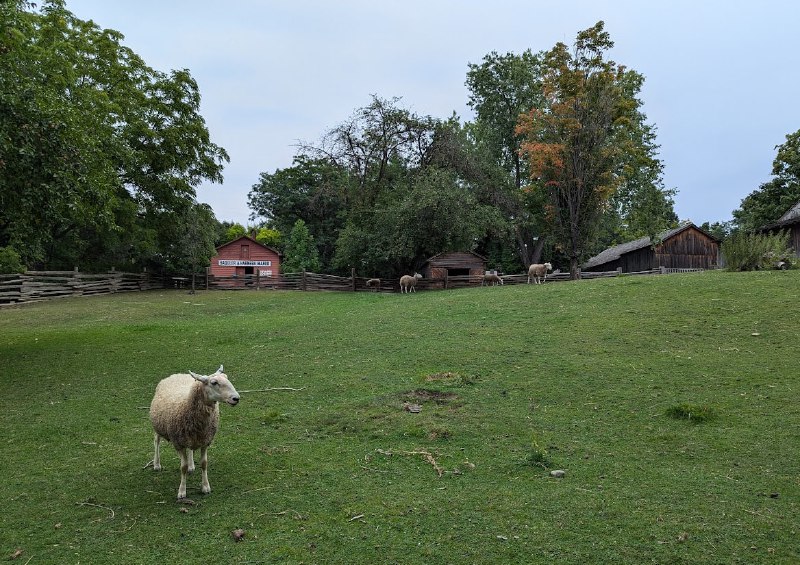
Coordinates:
<point>250,239</point>
<point>614,253</point>
<point>792,216</point>
<point>440,256</point>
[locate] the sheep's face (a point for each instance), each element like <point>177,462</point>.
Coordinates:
<point>218,388</point>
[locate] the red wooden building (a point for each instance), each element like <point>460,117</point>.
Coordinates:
<point>245,256</point>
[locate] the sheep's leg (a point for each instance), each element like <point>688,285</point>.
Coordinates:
<point>184,471</point>
<point>190,454</point>
<point>157,454</point>
<point>206,488</point>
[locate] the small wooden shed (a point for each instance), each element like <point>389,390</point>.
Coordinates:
<point>245,256</point>
<point>789,221</point>
<point>453,264</point>
<point>684,247</point>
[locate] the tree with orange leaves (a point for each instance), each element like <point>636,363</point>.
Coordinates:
<point>573,144</point>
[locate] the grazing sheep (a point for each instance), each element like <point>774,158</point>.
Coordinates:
<point>185,412</point>
<point>408,283</point>
<point>374,283</point>
<point>491,278</point>
<point>538,272</point>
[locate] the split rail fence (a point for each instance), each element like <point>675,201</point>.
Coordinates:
<point>34,286</point>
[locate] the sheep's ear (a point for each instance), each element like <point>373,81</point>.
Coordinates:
<point>219,370</point>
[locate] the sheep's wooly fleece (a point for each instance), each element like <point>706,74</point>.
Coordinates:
<point>185,412</point>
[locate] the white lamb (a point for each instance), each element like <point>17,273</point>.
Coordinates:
<point>539,272</point>
<point>408,283</point>
<point>185,412</point>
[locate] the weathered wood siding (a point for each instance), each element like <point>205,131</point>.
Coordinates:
<point>459,263</point>
<point>794,239</point>
<point>689,249</point>
<point>635,261</point>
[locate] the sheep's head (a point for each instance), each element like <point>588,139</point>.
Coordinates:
<point>217,387</point>
<point>548,266</point>
<point>417,276</point>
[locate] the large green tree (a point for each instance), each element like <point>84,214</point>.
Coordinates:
<point>313,190</point>
<point>93,141</point>
<point>502,87</point>
<point>775,197</point>
<point>391,187</point>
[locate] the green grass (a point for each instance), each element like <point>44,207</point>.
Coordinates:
<point>511,382</point>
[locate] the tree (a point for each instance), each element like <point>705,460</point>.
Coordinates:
<point>269,237</point>
<point>313,190</point>
<point>502,88</point>
<point>196,245</point>
<point>436,213</point>
<point>92,140</point>
<point>574,144</point>
<point>773,198</point>
<point>234,231</point>
<point>301,252</point>
<point>380,142</point>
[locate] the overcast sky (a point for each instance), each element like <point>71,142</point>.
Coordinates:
<point>721,77</point>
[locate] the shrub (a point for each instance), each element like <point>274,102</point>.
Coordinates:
<point>537,455</point>
<point>751,251</point>
<point>10,261</point>
<point>695,413</point>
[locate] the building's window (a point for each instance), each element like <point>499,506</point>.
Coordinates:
<point>245,252</point>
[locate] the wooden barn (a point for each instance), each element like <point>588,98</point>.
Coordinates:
<point>454,264</point>
<point>685,247</point>
<point>245,256</point>
<point>789,221</point>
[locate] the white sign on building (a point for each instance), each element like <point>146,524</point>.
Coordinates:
<point>243,263</point>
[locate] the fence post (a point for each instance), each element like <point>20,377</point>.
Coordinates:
<point>303,281</point>
<point>76,281</point>
<point>258,277</point>
<point>353,274</point>
<point>446,273</point>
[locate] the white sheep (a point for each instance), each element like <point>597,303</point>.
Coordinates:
<point>408,283</point>
<point>185,412</point>
<point>491,278</point>
<point>538,272</point>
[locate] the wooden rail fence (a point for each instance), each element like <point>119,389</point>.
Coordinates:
<point>33,286</point>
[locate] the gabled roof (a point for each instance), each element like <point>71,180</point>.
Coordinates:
<point>251,240</point>
<point>614,253</point>
<point>792,216</point>
<point>440,255</point>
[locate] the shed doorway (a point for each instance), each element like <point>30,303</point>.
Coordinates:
<point>457,272</point>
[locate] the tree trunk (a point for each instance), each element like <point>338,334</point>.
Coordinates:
<point>574,268</point>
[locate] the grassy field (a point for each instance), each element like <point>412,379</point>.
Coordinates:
<point>671,403</point>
